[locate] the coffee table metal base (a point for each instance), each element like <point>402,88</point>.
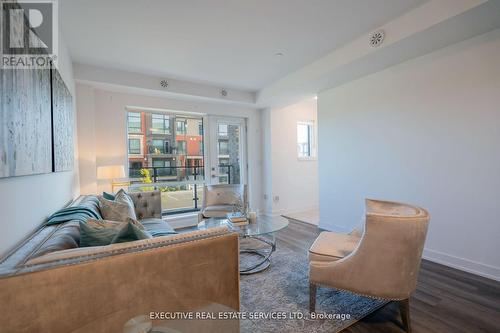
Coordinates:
<point>263,252</point>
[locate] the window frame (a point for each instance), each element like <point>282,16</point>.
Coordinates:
<point>222,152</point>
<point>134,115</point>
<point>311,140</point>
<point>220,133</point>
<point>183,130</point>
<point>184,152</point>
<point>140,153</point>
<point>160,118</point>
<point>160,147</point>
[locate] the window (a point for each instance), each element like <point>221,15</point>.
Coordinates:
<point>160,124</point>
<point>134,146</point>
<point>181,127</point>
<point>222,129</point>
<point>163,167</point>
<point>134,169</point>
<point>223,147</point>
<point>161,163</point>
<point>134,122</point>
<point>181,147</point>
<point>158,146</point>
<point>159,141</point>
<point>305,140</point>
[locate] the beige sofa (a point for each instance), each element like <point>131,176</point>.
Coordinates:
<point>97,289</point>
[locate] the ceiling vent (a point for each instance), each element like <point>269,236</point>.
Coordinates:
<point>376,38</point>
<point>164,83</point>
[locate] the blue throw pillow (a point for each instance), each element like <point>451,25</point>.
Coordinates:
<point>130,232</point>
<point>102,232</point>
<point>108,196</point>
<point>98,232</point>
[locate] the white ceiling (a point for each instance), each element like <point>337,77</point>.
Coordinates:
<point>222,42</point>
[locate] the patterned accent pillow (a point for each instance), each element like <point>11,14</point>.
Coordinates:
<point>136,223</point>
<point>104,232</point>
<point>117,210</point>
<point>98,232</point>
<point>100,224</point>
<point>122,196</point>
<point>130,232</point>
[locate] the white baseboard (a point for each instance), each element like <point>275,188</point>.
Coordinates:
<point>477,268</point>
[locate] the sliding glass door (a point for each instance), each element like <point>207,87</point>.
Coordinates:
<point>227,151</point>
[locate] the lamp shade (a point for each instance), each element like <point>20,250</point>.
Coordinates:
<point>110,172</point>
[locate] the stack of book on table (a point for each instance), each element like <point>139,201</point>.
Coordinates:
<point>237,218</point>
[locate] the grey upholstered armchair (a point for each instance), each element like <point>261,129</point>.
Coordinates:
<point>383,262</point>
<point>218,200</point>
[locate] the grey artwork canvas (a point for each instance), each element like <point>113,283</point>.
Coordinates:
<point>25,122</point>
<point>63,124</point>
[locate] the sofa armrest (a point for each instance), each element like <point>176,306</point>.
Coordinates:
<point>101,290</point>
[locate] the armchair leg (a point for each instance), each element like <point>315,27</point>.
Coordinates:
<point>312,297</point>
<point>404,309</point>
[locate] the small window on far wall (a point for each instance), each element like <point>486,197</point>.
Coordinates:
<point>305,140</point>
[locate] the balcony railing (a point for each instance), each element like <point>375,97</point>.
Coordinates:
<point>181,187</point>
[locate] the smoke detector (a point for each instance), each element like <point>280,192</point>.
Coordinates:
<point>376,38</point>
<point>164,83</point>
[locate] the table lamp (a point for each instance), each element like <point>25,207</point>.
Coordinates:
<point>112,173</point>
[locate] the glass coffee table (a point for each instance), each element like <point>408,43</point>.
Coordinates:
<point>257,239</point>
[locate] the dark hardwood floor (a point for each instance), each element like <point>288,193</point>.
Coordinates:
<point>446,299</point>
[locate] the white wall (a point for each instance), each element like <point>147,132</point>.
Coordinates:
<point>25,202</point>
<point>425,132</point>
<point>102,132</point>
<point>294,181</point>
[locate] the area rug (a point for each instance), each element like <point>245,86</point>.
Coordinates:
<point>282,291</point>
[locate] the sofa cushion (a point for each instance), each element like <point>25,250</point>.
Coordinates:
<point>66,236</point>
<point>217,210</point>
<point>330,246</point>
<point>157,227</point>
